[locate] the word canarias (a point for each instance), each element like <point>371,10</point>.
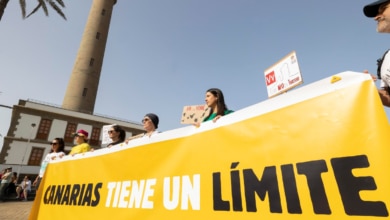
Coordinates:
<point>75,194</point>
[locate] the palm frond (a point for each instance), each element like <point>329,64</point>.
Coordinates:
<point>61,3</point>
<point>23,7</point>
<point>3,5</point>
<point>35,10</point>
<point>57,9</point>
<point>44,7</point>
<point>42,3</point>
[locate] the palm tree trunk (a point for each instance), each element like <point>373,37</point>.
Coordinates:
<point>3,5</point>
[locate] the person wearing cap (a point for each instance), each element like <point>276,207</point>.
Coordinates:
<point>81,139</point>
<point>150,122</point>
<point>380,11</point>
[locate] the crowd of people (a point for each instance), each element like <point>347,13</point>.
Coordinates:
<point>214,99</point>
<point>9,185</point>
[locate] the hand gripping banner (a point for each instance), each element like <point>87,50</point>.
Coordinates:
<point>318,152</point>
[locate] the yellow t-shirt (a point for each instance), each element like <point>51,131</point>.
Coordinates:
<point>81,148</point>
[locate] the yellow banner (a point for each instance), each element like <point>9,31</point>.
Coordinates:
<point>321,157</point>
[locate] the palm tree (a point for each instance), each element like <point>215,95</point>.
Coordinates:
<point>41,4</point>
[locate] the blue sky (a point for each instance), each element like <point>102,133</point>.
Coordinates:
<point>163,55</point>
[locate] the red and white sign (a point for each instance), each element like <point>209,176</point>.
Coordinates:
<point>283,75</point>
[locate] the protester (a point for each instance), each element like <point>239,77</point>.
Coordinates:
<point>57,151</point>
<point>11,188</point>
<point>24,188</point>
<point>81,139</point>
<point>117,135</point>
<point>215,100</point>
<point>380,11</point>
<point>150,122</point>
<point>2,172</point>
<point>5,180</point>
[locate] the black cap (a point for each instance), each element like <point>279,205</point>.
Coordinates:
<point>154,119</point>
<point>371,10</point>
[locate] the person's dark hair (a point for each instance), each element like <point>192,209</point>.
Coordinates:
<point>220,101</point>
<point>122,133</point>
<point>61,145</point>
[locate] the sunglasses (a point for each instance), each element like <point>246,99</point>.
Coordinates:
<point>145,120</point>
<point>53,143</point>
<point>110,131</point>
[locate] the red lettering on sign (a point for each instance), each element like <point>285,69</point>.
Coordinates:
<point>296,79</point>
<point>270,78</point>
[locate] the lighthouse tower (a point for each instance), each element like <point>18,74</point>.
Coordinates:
<point>83,85</point>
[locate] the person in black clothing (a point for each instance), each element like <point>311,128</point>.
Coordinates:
<point>117,135</point>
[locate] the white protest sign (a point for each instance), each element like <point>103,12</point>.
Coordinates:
<point>105,138</point>
<point>283,75</point>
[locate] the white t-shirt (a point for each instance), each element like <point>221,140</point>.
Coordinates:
<point>26,185</point>
<point>47,159</point>
<point>146,136</point>
<point>6,178</point>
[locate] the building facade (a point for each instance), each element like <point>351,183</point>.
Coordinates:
<point>34,125</point>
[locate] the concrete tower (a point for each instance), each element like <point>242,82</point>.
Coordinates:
<point>84,81</point>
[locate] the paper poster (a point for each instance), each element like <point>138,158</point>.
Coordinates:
<point>105,138</point>
<point>283,76</point>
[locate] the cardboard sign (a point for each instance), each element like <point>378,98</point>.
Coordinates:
<point>283,76</point>
<point>194,114</point>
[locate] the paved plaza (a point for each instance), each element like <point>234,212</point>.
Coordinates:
<point>15,210</point>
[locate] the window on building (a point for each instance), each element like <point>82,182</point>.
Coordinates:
<point>103,12</point>
<point>98,35</point>
<point>94,140</point>
<point>44,129</point>
<point>85,90</point>
<point>91,61</point>
<point>70,129</point>
<point>36,156</point>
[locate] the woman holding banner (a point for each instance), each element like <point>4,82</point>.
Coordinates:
<point>215,100</point>
<point>57,151</point>
<point>117,135</point>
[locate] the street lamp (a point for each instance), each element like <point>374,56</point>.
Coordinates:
<point>25,151</point>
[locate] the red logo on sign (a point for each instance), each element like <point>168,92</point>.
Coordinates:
<point>270,78</point>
